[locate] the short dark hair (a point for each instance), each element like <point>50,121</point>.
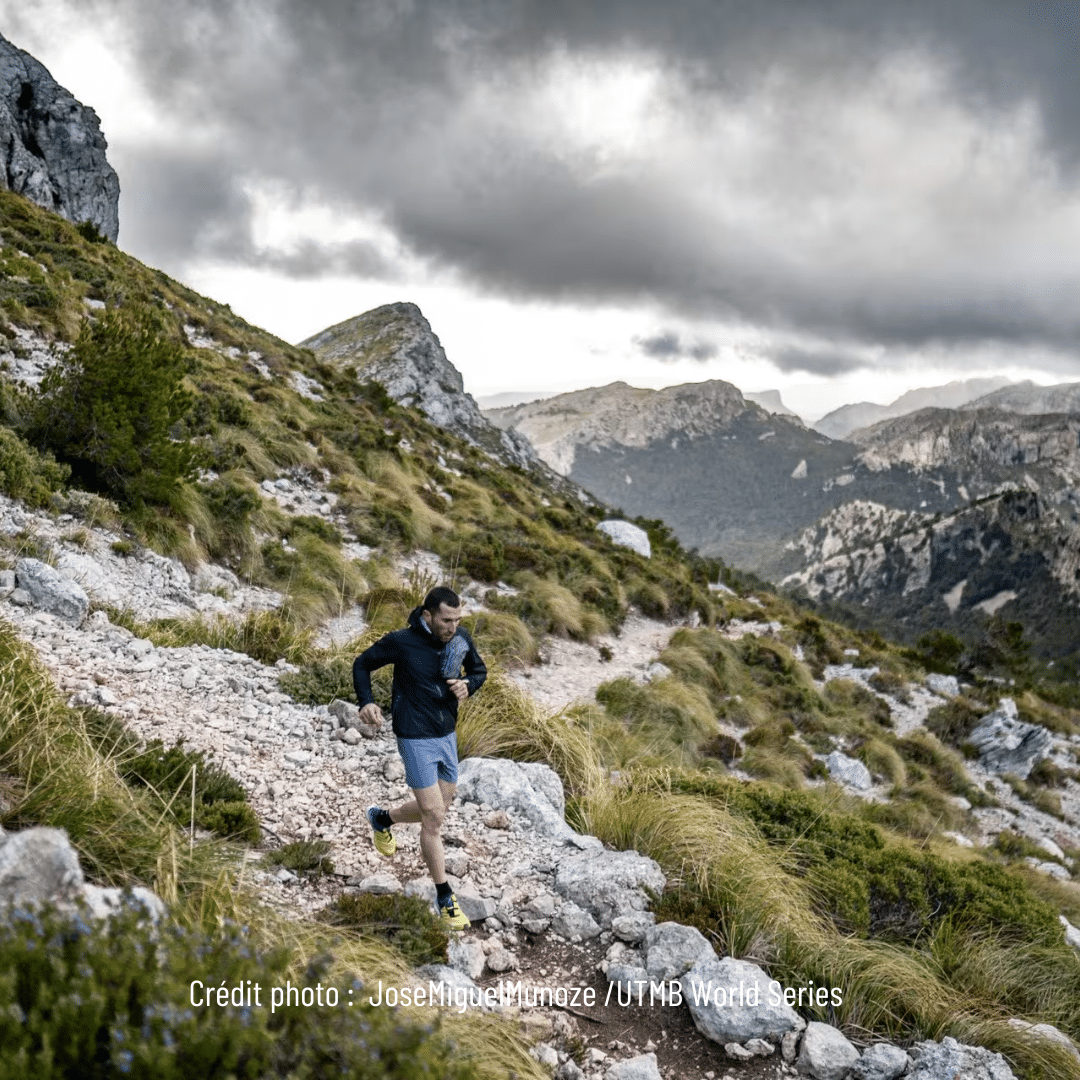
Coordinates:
<point>441,595</point>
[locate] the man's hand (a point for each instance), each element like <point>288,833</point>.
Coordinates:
<point>459,688</point>
<point>372,714</point>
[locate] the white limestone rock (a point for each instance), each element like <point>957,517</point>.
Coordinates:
<point>609,883</point>
<point>730,1001</point>
<point>932,1061</point>
<point>51,591</point>
<point>642,1067</point>
<point>945,685</point>
<point>575,924</point>
<point>54,148</point>
<point>671,950</point>
<point>882,1061</point>
<point>825,1054</point>
<point>848,770</point>
<point>38,865</point>
<point>534,790</point>
<point>627,535</point>
<point>1006,744</point>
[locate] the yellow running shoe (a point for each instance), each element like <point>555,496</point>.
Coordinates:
<point>384,841</point>
<point>451,917</point>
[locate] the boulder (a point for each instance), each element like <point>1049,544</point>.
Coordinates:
<point>534,790</point>
<point>735,1001</point>
<point>1048,1032</point>
<point>672,949</point>
<point>575,924</point>
<point>945,685</point>
<point>882,1061</point>
<point>642,1067</point>
<point>848,771</point>
<point>38,865</point>
<point>630,978</point>
<point>105,902</point>
<point>88,573</point>
<point>632,926</point>
<point>609,883</point>
<point>466,956</point>
<point>627,535</point>
<point>50,591</point>
<point>381,884</point>
<point>932,1061</point>
<point>825,1053</point>
<point>1072,934</point>
<point>1006,744</point>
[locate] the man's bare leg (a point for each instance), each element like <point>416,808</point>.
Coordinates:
<point>428,806</point>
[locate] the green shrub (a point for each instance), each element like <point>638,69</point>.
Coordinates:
<point>406,922</point>
<point>233,820</point>
<point>871,885</point>
<point>309,857</point>
<point>107,407</point>
<point>27,474</point>
<point>320,681</point>
<point>93,1001</point>
<point>221,804</point>
<point>954,721</point>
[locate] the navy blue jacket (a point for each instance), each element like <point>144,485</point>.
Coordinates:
<point>422,705</point>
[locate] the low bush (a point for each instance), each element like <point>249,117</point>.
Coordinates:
<point>26,473</point>
<point>406,922</point>
<point>83,1001</point>
<point>308,857</point>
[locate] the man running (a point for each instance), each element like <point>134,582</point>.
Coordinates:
<point>436,666</point>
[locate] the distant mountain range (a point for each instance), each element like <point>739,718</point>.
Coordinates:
<point>1026,397</point>
<point>935,518</point>
<point>841,422</point>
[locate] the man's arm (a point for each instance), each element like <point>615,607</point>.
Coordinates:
<point>475,669</point>
<point>383,652</point>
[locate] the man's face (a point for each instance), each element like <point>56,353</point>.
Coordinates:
<point>444,622</point>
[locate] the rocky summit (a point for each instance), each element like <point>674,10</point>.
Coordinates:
<point>54,151</point>
<point>395,346</point>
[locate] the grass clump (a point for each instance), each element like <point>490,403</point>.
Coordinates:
<point>266,636</point>
<point>405,921</point>
<point>308,857</point>
<point>169,774</point>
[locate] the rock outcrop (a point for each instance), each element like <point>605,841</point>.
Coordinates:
<point>394,345</point>
<point>53,148</point>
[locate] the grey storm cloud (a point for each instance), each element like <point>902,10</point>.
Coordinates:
<point>816,361</point>
<point>668,346</point>
<point>878,172</point>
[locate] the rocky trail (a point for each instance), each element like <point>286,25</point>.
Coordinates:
<point>553,912</point>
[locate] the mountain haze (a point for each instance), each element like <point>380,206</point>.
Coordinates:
<point>841,422</point>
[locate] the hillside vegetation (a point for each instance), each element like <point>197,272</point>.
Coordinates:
<point>927,938</point>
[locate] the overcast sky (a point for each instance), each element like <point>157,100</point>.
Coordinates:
<point>841,199</point>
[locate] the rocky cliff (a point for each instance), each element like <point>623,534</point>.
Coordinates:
<point>1015,552</point>
<point>394,345</point>
<point>988,447</point>
<point>54,152</point>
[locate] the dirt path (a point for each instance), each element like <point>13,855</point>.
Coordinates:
<point>572,670</point>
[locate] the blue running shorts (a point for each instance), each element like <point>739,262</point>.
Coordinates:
<point>428,760</point>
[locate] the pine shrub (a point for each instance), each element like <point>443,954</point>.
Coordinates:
<point>107,407</point>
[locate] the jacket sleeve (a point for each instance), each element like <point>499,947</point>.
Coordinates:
<point>383,652</point>
<point>475,669</point>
